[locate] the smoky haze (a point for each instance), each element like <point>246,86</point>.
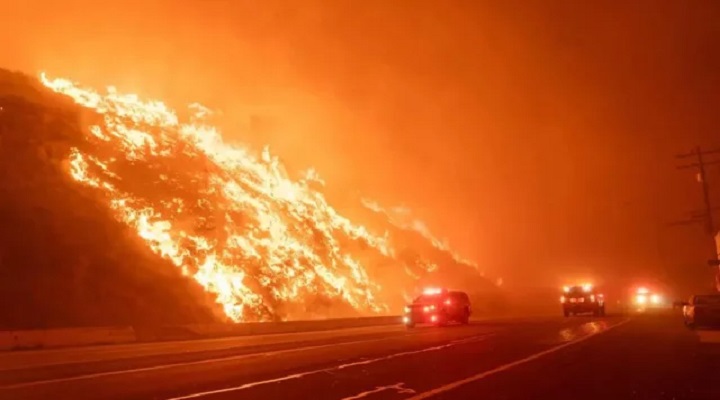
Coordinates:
<point>538,137</point>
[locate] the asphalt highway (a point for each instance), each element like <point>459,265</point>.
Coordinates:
<point>616,357</point>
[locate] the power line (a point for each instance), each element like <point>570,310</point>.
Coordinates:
<point>700,165</point>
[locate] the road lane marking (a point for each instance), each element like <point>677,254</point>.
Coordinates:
<point>12,361</point>
<point>398,388</point>
<point>249,385</point>
<point>505,367</point>
<point>406,353</point>
<point>198,362</point>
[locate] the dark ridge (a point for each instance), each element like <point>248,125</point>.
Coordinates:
<point>64,260</point>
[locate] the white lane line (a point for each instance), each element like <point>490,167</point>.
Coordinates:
<point>398,388</point>
<point>406,353</point>
<point>199,362</point>
<point>334,368</point>
<point>12,361</point>
<point>482,375</point>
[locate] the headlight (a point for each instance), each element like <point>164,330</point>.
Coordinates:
<point>641,299</point>
<point>655,299</point>
<point>407,309</point>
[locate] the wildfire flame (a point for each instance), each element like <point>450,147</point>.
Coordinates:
<point>402,218</point>
<point>232,220</point>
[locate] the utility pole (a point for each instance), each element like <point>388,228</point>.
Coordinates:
<point>700,165</point>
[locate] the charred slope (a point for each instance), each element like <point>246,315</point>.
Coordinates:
<point>104,205</point>
<point>64,260</point>
<point>432,264</point>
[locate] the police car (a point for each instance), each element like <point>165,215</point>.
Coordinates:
<point>438,307</point>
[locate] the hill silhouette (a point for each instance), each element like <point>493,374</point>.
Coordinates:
<point>64,261</point>
<point>113,213</point>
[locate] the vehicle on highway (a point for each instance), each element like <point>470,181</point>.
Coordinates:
<point>643,300</point>
<point>438,307</point>
<point>702,310</point>
<point>582,299</point>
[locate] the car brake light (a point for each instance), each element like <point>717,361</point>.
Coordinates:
<point>448,302</point>
<point>433,318</point>
<point>562,299</point>
<point>592,297</point>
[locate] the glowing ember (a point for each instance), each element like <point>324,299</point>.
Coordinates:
<point>234,222</point>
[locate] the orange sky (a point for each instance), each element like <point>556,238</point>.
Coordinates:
<point>537,136</point>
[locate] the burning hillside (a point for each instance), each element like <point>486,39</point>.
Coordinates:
<point>265,246</point>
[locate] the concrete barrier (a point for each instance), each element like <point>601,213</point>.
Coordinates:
<point>185,332</point>
<point>6,340</point>
<point>34,339</point>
